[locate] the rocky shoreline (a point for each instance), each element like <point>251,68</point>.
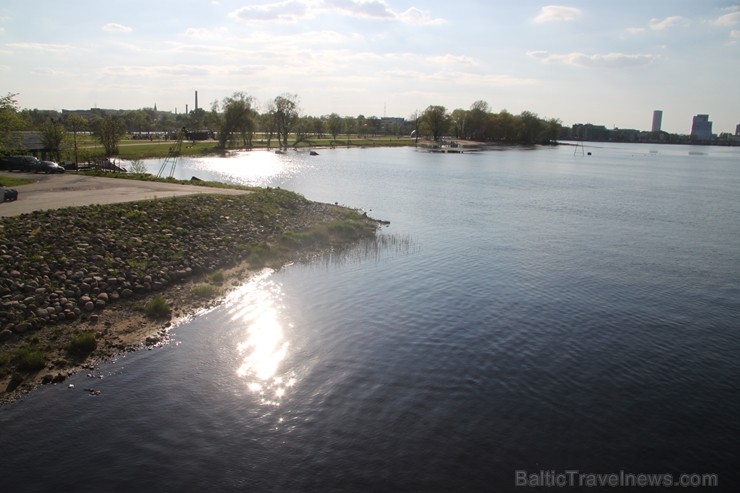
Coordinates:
<point>75,282</point>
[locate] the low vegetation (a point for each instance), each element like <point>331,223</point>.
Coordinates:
<point>205,291</point>
<point>29,359</point>
<point>82,344</point>
<point>158,308</point>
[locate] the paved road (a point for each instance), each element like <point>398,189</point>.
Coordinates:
<point>71,189</point>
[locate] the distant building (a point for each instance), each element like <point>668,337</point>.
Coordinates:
<point>737,130</point>
<point>657,120</point>
<point>701,128</point>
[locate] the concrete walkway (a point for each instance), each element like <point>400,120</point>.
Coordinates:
<point>72,189</point>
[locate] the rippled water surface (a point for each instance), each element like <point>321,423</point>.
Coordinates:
<point>526,310</point>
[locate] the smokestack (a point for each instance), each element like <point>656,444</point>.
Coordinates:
<point>196,100</point>
<point>186,109</point>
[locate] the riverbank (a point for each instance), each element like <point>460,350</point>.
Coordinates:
<point>82,284</point>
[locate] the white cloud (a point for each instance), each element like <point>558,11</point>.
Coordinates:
<point>735,34</point>
<point>113,27</point>
<point>41,47</point>
<point>609,60</point>
<point>292,11</point>
<point>672,21</point>
<point>557,13</point>
<point>203,33</point>
<point>416,16</point>
<point>447,59</point>
<point>730,19</point>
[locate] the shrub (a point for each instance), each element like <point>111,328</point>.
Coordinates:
<point>82,344</point>
<point>158,307</point>
<point>204,291</point>
<point>29,359</point>
<point>217,277</point>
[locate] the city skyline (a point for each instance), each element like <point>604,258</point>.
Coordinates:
<point>578,62</point>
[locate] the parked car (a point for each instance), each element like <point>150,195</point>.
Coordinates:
<point>48,167</point>
<point>19,163</point>
<point>9,194</point>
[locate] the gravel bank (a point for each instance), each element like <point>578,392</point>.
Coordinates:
<point>91,269</point>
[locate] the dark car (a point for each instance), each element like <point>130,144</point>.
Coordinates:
<point>48,167</point>
<point>9,194</point>
<point>19,163</point>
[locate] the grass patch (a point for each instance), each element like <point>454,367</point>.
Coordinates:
<point>158,307</point>
<point>217,277</point>
<point>12,181</point>
<point>82,344</point>
<point>205,291</point>
<point>29,359</point>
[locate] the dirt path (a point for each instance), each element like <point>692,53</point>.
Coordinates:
<point>72,189</point>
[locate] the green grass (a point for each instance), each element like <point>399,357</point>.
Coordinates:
<point>29,359</point>
<point>82,344</point>
<point>205,291</point>
<point>158,307</point>
<point>142,149</point>
<point>217,277</point>
<point>12,181</point>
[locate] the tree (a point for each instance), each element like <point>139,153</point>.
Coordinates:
<point>478,118</point>
<point>286,115</point>
<point>238,120</point>
<point>109,129</point>
<point>335,124</point>
<point>437,120</point>
<point>52,136</point>
<point>9,121</point>
<point>75,123</point>
<point>528,128</point>
<point>458,120</point>
<point>416,119</point>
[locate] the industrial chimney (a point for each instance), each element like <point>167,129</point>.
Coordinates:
<point>196,100</point>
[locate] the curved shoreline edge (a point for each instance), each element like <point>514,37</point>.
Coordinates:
<point>89,271</point>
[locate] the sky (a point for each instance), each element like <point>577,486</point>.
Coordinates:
<point>602,62</point>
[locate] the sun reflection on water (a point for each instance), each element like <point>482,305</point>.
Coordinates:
<point>257,307</point>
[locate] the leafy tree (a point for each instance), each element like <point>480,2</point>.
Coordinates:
<point>238,120</point>
<point>52,136</point>
<point>109,129</point>
<point>268,123</point>
<point>528,128</point>
<point>361,126</point>
<point>350,126</point>
<point>437,120</point>
<point>416,120</point>
<point>458,119</point>
<point>212,119</point>
<point>75,123</point>
<point>478,118</point>
<point>286,115</point>
<point>335,125</point>
<point>9,122</point>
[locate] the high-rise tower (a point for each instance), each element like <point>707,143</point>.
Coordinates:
<point>657,120</point>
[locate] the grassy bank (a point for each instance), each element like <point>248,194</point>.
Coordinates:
<point>85,283</point>
<point>130,149</point>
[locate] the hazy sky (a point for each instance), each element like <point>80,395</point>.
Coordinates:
<point>602,62</point>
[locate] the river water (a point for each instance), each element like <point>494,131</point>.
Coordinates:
<point>526,310</point>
